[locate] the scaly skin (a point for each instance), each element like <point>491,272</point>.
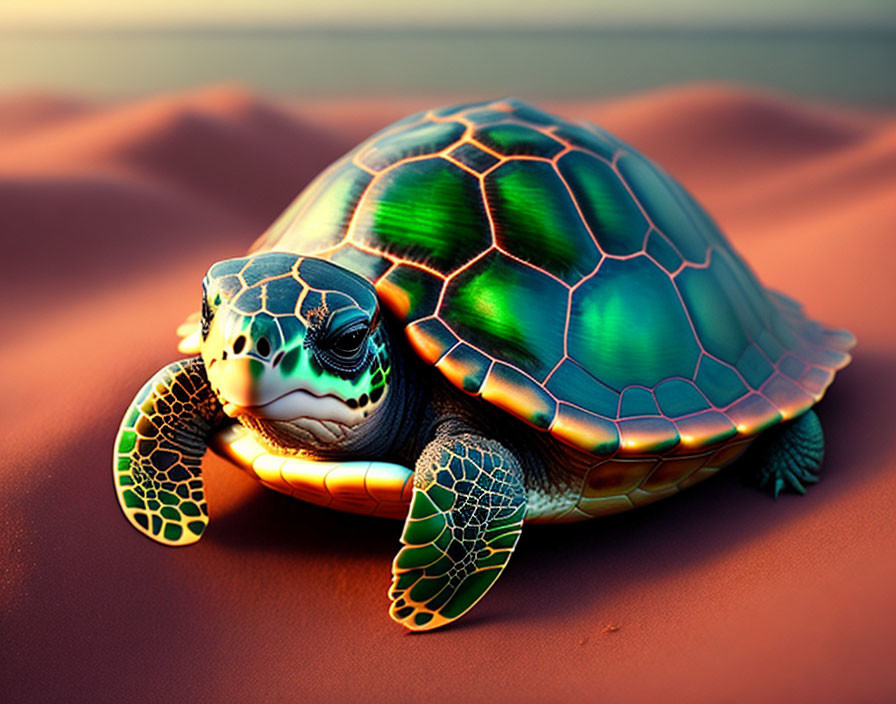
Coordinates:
<point>158,453</point>
<point>465,519</point>
<point>792,457</point>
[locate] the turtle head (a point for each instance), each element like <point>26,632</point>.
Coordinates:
<point>294,346</point>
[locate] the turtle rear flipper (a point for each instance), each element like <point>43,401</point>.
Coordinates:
<point>465,519</point>
<point>159,450</point>
<point>792,456</point>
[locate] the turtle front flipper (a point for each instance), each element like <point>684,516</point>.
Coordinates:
<point>466,514</point>
<point>792,456</point>
<point>189,331</point>
<point>158,453</point>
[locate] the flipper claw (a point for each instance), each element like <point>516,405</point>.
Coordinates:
<point>792,457</point>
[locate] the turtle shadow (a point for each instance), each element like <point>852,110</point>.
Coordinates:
<point>592,561</point>
<point>273,522</point>
<point>559,570</point>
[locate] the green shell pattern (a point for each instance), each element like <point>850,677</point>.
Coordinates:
<point>552,270</point>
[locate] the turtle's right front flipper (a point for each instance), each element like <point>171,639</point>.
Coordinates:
<point>466,515</point>
<point>159,450</point>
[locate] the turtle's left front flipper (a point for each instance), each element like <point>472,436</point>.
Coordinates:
<point>159,450</point>
<point>466,514</point>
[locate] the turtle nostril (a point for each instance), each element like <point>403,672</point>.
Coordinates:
<point>263,346</point>
<point>238,344</point>
<point>278,358</point>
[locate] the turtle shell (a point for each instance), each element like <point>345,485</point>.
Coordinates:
<point>552,270</point>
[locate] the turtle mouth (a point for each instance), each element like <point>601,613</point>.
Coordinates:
<point>296,404</point>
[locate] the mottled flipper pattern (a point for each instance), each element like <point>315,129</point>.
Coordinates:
<point>793,456</point>
<point>158,453</point>
<point>465,518</point>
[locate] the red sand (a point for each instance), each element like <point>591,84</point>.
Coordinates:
<point>111,214</point>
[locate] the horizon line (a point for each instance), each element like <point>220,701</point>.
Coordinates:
<point>431,29</point>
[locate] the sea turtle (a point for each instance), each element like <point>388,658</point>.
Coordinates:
<point>534,317</point>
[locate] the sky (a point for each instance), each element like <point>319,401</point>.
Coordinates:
<point>89,13</point>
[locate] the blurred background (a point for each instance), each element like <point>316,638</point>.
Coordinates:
<point>825,49</point>
<point>143,140</point>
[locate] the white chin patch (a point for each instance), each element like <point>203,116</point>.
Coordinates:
<point>300,404</point>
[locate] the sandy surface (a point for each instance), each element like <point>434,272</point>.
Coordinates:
<point>110,215</point>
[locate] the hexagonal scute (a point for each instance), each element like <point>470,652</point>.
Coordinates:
<point>248,302</point>
<point>410,292</point>
<point>612,214</point>
<point>528,113</point>
<point>266,267</point>
<point>652,187</point>
<point>429,212</point>
<point>627,326</point>
<point>636,401</point>
<point>595,268</point>
<point>714,310</point>
<point>511,139</point>
<point>427,138</point>
<point>508,310</point>
<point>719,382</point>
<point>473,157</point>
<point>281,296</point>
<point>570,382</point>
<point>679,397</point>
<point>319,217</point>
<point>663,253</point>
<point>753,366</point>
<point>364,263</point>
<point>536,220</point>
<point>583,138</point>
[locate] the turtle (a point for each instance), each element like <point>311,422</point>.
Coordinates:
<point>484,315</point>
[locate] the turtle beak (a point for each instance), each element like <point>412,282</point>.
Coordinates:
<point>247,386</point>
<point>242,357</point>
<point>243,374</point>
<point>239,383</point>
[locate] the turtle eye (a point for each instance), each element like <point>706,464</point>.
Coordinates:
<point>341,344</point>
<point>206,316</point>
<point>348,344</point>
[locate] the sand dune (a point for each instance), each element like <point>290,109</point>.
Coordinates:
<point>21,113</point>
<point>211,143</point>
<point>109,215</point>
<point>717,138</point>
<point>859,171</point>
